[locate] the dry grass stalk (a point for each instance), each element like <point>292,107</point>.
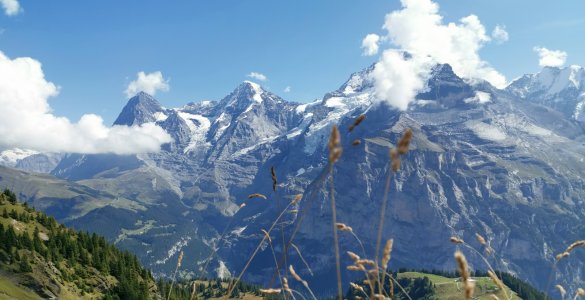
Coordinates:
<point>257,195</point>
<point>561,290</point>
<point>366,262</point>
<point>356,142</point>
<point>297,199</point>
<point>356,268</point>
<point>353,256</point>
<point>387,253</point>
<point>562,255</point>
<point>357,287</point>
<point>285,286</point>
<point>343,227</point>
<point>302,258</point>
<point>294,274</point>
<point>404,142</point>
<point>494,297</point>
<point>298,278</point>
<point>456,240</point>
<point>496,280</point>
<point>403,145</point>
<point>175,274</point>
<point>380,297</point>
<point>334,145</point>
<point>480,239</point>
<point>569,249</point>
<point>357,122</point>
<point>266,235</point>
<point>575,245</point>
<point>271,291</point>
<point>334,154</point>
<point>274,179</point>
<point>464,272</point>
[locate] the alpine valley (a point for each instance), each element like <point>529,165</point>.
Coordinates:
<point>505,163</point>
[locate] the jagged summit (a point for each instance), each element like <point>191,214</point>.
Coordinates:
<point>140,109</point>
<point>562,89</point>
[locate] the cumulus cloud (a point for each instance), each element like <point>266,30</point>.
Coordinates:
<point>500,35</point>
<point>550,58</point>
<point>370,44</point>
<point>149,83</point>
<point>27,121</point>
<point>287,89</point>
<point>422,40</point>
<point>11,7</point>
<point>257,76</point>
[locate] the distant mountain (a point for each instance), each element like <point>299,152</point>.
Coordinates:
<point>504,163</point>
<point>562,89</point>
<point>28,160</point>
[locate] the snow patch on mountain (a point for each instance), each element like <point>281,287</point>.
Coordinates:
<point>199,126</point>
<point>486,131</point>
<point>10,158</point>
<point>176,248</point>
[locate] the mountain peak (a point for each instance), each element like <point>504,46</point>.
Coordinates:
<point>140,109</point>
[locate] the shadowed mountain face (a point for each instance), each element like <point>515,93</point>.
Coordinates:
<point>483,160</point>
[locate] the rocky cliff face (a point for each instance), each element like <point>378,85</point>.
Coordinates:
<point>483,160</point>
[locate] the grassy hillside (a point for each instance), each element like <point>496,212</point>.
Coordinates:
<point>40,258</point>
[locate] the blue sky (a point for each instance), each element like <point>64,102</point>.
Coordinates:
<point>94,49</point>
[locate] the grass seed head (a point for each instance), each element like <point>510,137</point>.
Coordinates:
<point>270,291</point>
<point>356,287</point>
<point>343,227</point>
<point>257,195</point>
<point>456,240</point>
<point>387,252</point>
<point>480,238</point>
<point>496,280</point>
<point>463,271</point>
<point>353,256</point>
<point>297,198</point>
<point>561,290</point>
<point>357,122</point>
<point>294,274</point>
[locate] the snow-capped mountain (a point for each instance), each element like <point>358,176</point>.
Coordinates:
<point>560,88</point>
<point>501,163</point>
<point>29,160</point>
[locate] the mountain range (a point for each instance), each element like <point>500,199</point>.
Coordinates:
<point>505,163</point>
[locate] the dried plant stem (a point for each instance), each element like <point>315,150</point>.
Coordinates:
<point>301,295</point>
<point>232,285</point>
<point>309,203</point>
<point>335,237</point>
<point>175,274</point>
<point>509,297</point>
<point>397,284</point>
<point>302,258</point>
<point>275,261</point>
<point>381,219</point>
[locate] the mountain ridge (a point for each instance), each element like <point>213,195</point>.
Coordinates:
<point>483,159</point>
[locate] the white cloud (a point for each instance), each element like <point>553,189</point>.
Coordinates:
<point>550,58</point>
<point>500,35</point>
<point>287,89</point>
<point>27,121</point>
<point>370,44</point>
<point>257,76</point>
<point>480,97</point>
<point>418,30</point>
<point>11,7</point>
<point>148,83</point>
